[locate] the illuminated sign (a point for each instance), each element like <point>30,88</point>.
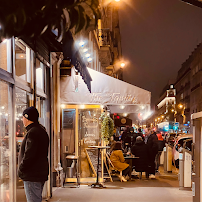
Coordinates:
<point>113,97</point>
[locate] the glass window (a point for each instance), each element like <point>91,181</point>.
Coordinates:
<point>5,143</point>
<point>39,74</point>
<point>20,60</point>
<point>23,100</point>
<point>41,107</point>
<point>5,55</point>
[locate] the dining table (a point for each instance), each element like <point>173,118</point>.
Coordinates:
<point>130,159</point>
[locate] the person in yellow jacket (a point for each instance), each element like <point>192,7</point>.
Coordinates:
<point>118,161</point>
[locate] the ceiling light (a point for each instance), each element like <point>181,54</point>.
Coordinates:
<point>87,55</point>
<point>81,43</point>
<point>89,59</point>
<point>85,50</point>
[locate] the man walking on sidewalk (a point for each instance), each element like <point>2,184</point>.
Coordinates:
<point>33,156</point>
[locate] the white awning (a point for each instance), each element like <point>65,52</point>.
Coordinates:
<point>105,90</point>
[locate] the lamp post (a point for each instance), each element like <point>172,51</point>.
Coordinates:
<point>123,64</point>
<point>182,107</point>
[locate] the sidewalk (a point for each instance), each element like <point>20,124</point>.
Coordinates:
<point>162,189</point>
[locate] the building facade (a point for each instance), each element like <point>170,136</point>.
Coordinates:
<point>188,85</point>
<point>24,82</point>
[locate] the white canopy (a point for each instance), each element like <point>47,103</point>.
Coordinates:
<point>105,90</point>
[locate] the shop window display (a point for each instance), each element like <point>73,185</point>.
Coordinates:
<point>5,143</point>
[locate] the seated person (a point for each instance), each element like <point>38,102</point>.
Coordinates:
<point>139,149</point>
<point>118,161</point>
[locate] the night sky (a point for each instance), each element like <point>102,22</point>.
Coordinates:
<point>157,37</point>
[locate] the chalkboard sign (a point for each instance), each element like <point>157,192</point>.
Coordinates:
<point>92,155</point>
<point>68,119</point>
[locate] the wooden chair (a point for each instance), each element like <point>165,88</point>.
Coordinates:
<point>112,170</point>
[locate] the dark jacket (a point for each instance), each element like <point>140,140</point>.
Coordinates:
<point>140,150</point>
<point>152,143</point>
<point>33,155</point>
<point>161,145</point>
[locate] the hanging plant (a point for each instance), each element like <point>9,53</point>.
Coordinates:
<point>107,127</point>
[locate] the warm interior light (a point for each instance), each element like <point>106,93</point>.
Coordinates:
<point>21,56</point>
<point>117,0</point>
<point>125,114</point>
<point>82,106</point>
<point>122,106</point>
<point>62,106</point>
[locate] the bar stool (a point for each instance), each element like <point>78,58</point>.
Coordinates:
<point>75,160</point>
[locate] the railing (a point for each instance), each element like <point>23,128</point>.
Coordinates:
<point>104,37</point>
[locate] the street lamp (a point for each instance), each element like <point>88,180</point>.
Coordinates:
<point>123,65</point>
<point>180,106</point>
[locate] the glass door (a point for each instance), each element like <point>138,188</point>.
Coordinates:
<point>88,135</point>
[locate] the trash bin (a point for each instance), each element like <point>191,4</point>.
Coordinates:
<point>70,172</point>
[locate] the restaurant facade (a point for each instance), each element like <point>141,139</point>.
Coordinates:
<point>80,118</point>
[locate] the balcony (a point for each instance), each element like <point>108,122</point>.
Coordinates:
<point>104,37</point>
<point>104,41</point>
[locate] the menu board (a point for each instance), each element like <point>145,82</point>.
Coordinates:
<point>92,155</point>
<point>68,119</point>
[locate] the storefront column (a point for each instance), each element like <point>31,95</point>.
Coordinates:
<point>55,110</point>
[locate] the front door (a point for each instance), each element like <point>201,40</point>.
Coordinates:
<point>89,135</point>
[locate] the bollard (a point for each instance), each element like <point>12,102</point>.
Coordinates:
<point>185,170</point>
<point>168,158</point>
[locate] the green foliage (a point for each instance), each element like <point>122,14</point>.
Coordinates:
<point>107,127</point>
<point>33,17</point>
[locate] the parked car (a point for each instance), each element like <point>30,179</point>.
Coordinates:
<point>182,141</point>
<point>171,138</point>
